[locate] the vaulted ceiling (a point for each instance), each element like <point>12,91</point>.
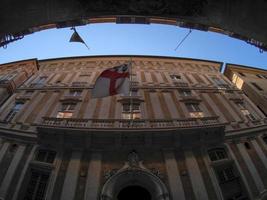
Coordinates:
<point>242,19</point>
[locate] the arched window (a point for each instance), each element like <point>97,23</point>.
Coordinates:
<point>217,154</point>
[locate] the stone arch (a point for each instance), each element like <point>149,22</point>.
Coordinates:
<point>137,177</point>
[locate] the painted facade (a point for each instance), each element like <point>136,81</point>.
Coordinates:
<point>194,135</point>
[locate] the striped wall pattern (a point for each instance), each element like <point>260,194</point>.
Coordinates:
<point>159,91</point>
<point>81,172</point>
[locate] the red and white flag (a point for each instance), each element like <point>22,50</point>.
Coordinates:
<point>112,81</point>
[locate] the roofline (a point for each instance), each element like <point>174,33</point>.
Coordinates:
<point>243,66</point>
<point>18,61</point>
<point>138,56</point>
<point>107,56</point>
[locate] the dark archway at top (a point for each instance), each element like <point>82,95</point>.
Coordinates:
<point>134,193</point>
<point>242,19</point>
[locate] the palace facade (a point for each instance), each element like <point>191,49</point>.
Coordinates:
<point>194,134</point>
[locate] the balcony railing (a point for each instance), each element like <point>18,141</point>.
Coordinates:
<point>125,123</point>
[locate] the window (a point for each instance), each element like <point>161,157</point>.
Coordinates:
<point>244,111</point>
<point>230,183</point>
<point>247,145</point>
<point>16,108</point>
<point>68,106</point>
<point>41,80</point>
<point>193,107</point>
<point>126,111</point>
<point>47,156</point>
<point>185,93</point>
<point>134,92</point>
<point>66,110</point>
<point>258,75</point>
<point>11,76</point>
<point>256,86</point>
<point>241,105</point>
<point>217,154</point>
<point>75,93</point>
<point>265,139</point>
<point>226,174</point>
<point>242,74</point>
<point>194,110</point>
<point>220,83</point>
<point>175,77</point>
<point>37,185</point>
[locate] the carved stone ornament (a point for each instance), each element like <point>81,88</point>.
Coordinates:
<point>133,159</point>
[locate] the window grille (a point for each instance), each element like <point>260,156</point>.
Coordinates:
<point>217,154</point>
<point>47,156</point>
<point>226,174</point>
<point>37,185</point>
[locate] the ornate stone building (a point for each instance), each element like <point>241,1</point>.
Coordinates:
<point>194,135</point>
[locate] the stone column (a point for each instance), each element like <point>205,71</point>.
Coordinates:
<point>93,176</point>
<point>251,167</point>
<point>175,183</point>
<point>195,176</point>
<point>23,173</point>
<point>11,171</point>
<point>259,152</point>
<point>71,178</point>
<point>3,150</point>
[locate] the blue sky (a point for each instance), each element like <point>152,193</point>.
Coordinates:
<point>118,39</point>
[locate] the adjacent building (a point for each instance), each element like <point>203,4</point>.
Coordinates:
<point>252,81</point>
<point>185,132</point>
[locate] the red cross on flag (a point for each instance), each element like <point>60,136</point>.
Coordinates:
<point>112,81</point>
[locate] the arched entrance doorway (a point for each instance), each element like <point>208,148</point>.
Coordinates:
<point>131,182</point>
<point>134,192</point>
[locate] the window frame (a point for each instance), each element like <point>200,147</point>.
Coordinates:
<point>13,112</point>
<point>227,177</point>
<point>75,93</point>
<point>257,86</point>
<point>47,155</point>
<point>175,77</point>
<point>185,92</point>
<point>193,107</point>
<point>220,153</point>
<point>136,110</point>
<point>32,190</point>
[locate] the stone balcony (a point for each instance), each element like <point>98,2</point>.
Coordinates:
<point>132,124</point>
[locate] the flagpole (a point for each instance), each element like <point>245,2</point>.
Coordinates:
<point>131,99</point>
